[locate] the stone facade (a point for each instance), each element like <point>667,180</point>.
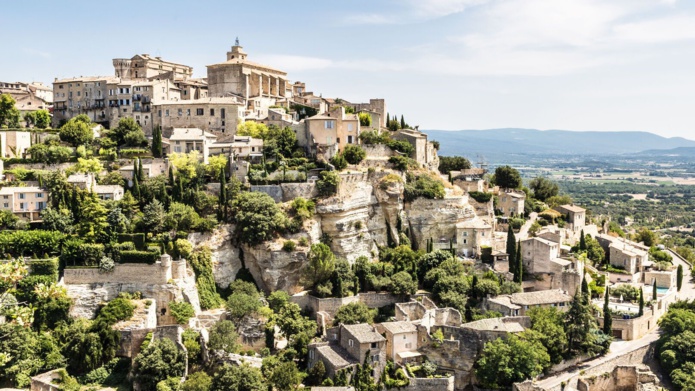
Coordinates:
<point>215,114</point>
<point>511,202</point>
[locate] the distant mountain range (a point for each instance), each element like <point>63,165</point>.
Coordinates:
<point>510,141</point>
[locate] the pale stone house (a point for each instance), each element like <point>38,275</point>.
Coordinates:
<point>14,143</point>
<point>334,128</point>
<point>185,140</point>
<point>150,168</point>
<point>536,252</point>
<point>518,304</point>
<point>472,235</point>
<point>624,255</point>
<point>511,202</point>
<point>192,88</point>
<point>218,114</point>
<point>575,216</point>
<point>144,66</point>
<point>24,202</point>
<point>401,340</point>
<point>109,192</point>
<point>423,150</point>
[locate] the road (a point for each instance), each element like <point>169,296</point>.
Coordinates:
<point>523,231</point>
<point>619,347</point>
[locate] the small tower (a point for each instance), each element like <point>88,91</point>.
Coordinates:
<point>237,52</point>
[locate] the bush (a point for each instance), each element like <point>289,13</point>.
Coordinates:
<point>289,245</point>
<point>45,267</point>
<point>354,154</point>
<point>401,146</point>
<point>328,182</point>
<point>138,239</point>
<point>116,310</point>
<point>424,186</point>
<point>181,311</point>
<point>201,262</point>
<point>480,196</point>
<point>23,243</point>
<point>135,256</point>
<point>161,360</point>
<point>339,162</point>
<point>354,313</point>
<point>372,137</point>
<point>400,163</point>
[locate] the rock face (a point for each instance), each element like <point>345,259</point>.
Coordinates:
<point>437,219</point>
<point>274,268</point>
<point>226,262</point>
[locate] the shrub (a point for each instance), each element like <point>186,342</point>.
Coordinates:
<point>328,182</point>
<point>354,154</point>
<point>45,267</point>
<point>22,243</point>
<point>135,256</point>
<point>354,313</point>
<point>424,186</point>
<point>181,311</point>
<point>480,196</point>
<point>201,262</point>
<point>258,217</point>
<point>138,239</point>
<point>116,310</point>
<point>289,245</point>
<point>401,146</point>
<point>339,162</point>
<point>303,241</point>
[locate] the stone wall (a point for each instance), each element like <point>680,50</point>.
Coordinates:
<point>427,384</point>
<point>664,279</point>
<point>329,306</point>
<point>377,151</point>
<point>409,312</point>
<point>285,192</point>
<point>274,191</point>
<point>122,272</point>
<point>622,377</point>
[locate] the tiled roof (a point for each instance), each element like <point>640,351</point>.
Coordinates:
<point>179,134</point>
<point>399,327</point>
<point>494,324</point>
<point>337,356</point>
<point>504,301</point>
<point>364,333</point>
<point>540,297</point>
<point>15,189</point>
<point>573,208</point>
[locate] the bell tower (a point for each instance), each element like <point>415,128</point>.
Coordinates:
<point>237,52</point>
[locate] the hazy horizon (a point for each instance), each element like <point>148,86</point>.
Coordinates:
<point>574,65</point>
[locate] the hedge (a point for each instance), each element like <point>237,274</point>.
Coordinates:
<point>136,256</point>
<point>78,253</point>
<point>480,196</point>
<point>45,267</point>
<point>25,243</point>
<point>138,239</point>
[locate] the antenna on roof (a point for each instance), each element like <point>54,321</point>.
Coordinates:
<point>236,42</point>
<point>482,163</point>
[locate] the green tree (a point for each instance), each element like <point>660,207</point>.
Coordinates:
<point>679,277</point>
<point>654,290</point>
<point>153,217</point>
<point>92,225</point>
<point>579,324</point>
<point>607,318</point>
<point>403,124</point>
<point>365,119</point>
<point>9,114</point>
<point>339,162</point>
<point>157,142</point>
<point>582,241</point>
<point>647,237</point>
<point>127,133</point>
<point>198,381</point>
<point>641,303</point>
<point>507,177</point>
<point>321,265</point>
<point>511,250</point>
<point>77,131</point>
<point>519,267</point>
<point>258,217</point>
<point>354,313</point>
<point>328,182</point>
<point>223,336</point>
<point>363,379</point>
<point>543,188</point>
<point>548,323</point>
<point>453,163</point>
<point>506,361</point>
<point>286,376</point>
<point>354,154</point>
<point>160,360</point>
<point>238,378</point>
<point>402,283</point>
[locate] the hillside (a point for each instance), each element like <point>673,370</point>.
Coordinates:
<point>506,141</point>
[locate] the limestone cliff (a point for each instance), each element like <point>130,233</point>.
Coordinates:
<point>226,262</point>
<point>437,219</point>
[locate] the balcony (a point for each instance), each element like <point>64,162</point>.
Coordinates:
<point>136,98</point>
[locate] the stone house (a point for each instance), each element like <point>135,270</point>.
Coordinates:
<point>185,140</point>
<point>349,345</point>
<point>574,215</point>
<point>144,66</point>
<point>472,235</point>
<point>511,202</point>
<point>192,88</point>
<point>517,304</point>
<point>14,143</point>
<point>623,255</point>
<point>150,169</point>
<point>24,202</point>
<point>215,114</point>
<point>470,179</point>
<point>536,252</point>
<point>401,341</point>
<point>109,192</point>
<point>334,128</point>
<point>424,152</point>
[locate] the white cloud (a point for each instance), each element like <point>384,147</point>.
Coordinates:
<point>666,29</point>
<point>414,11</point>
<point>295,63</point>
<point>38,53</point>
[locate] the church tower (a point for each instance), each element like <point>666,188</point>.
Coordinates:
<point>237,52</point>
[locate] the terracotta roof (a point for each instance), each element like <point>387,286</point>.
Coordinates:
<point>15,189</point>
<point>540,297</point>
<point>363,333</point>
<point>572,208</point>
<point>399,327</point>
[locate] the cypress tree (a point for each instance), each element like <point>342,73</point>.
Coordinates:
<point>519,276</point>
<point>474,285</point>
<point>402,122</point>
<point>223,196</point>
<point>511,249</point>
<point>387,119</point>
<point>157,142</point>
<point>654,290</point>
<point>141,176</point>
<point>582,242</point>
<point>171,176</point>
<point>585,289</point>
<point>166,200</point>
<point>679,277</point>
<point>641,302</point>
<point>607,320</point>
<point>136,188</point>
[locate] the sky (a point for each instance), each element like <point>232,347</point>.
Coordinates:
<point>601,65</point>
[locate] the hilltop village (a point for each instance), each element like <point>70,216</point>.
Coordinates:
<point>240,232</point>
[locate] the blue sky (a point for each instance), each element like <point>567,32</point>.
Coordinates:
<point>444,64</point>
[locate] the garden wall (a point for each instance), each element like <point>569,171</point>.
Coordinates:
<point>125,272</point>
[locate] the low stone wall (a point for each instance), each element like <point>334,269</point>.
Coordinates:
<point>409,312</point>
<point>329,306</point>
<point>664,279</point>
<point>122,272</point>
<point>130,342</point>
<point>377,150</point>
<point>427,384</point>
<point>274,191</point>
<point>44,381</point>
<point>288,191</point>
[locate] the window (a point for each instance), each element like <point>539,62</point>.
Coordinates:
<point>311,354</point>
<point>212,112</point>
<point>350,140</point>
<point>39,195</point>
<point>337,140</point>
<point>350,127</point>
<point>374,345</point>
<point>222,114</point>
<point>465,234</point>
<point>180,112</point>
<point>6,205</point>
<point>21,196</point>
<point>351,343</point>
<point>199,111</point>
<point>465,241</point>
<point>21,205</point>
<point>408,345</point>
<point>188,112</point>
<point>166,113</point>
<point>328,124</point>
<point>375,358</point>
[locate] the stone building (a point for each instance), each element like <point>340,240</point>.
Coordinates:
<point>349,345</point>
<point>28,96</point>
<point>144,66</point>
<point>401,341</point>
<point>626,256</point>
<point>214,114</point>
<point>575,216</point>
<point>14,143</point>
<point>192,88</point>
<point>424,152</point>
<point>333,128</point>
<point>185,140</point>
<point>260,86</point>
<point>537,252</point>
<point>511,202</point>
<point>517,304</point>
<point>472,235</point>
<point>24,202</point>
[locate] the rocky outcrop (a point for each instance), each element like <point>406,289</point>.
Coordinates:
<point>226,262</point>
<point>274,268</point>
<point>437,219</point>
